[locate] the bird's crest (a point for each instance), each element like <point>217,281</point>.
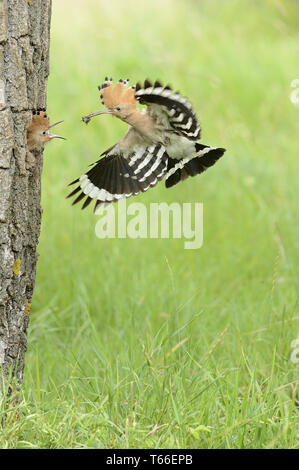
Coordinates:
<point>118,94</point>
<point>40,120</point>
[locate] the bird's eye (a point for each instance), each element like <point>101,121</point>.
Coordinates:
<point>118,108</point>
<point>44,132</point>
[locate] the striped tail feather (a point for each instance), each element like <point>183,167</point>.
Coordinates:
<point>192,166</point>
<point>118,176</point>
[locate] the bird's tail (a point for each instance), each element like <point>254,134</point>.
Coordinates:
<point>179,170</point>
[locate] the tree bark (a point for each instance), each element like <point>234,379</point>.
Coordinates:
<point>24,69</point>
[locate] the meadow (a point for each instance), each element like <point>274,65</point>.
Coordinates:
<point>140,343</point>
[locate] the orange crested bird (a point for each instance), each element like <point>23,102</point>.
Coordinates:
<point>161,143</point>
<point>38,133</point>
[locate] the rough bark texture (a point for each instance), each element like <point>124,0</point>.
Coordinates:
<point>24,69</point>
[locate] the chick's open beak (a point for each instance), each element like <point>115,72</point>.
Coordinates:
<point>53,136</point>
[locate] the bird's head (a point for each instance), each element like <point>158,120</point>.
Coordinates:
<point>38,133</point>
<point>119,100</point>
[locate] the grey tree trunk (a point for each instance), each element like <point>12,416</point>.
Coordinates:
<point>24,69</point>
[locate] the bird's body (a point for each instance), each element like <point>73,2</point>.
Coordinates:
<point>155,129</point>
<point>160,143</point>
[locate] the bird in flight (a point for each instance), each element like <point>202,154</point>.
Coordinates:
<point>161,142</point>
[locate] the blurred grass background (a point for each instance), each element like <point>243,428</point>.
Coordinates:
<point>140,343</point>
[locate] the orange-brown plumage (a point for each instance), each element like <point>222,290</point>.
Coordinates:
<point>161,142</point>
<point>38,132</point>
<point>112,96</point>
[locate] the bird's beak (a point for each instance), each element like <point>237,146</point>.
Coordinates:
<point>58,122</point>
<point>54,136</point>
<point>87,118</point>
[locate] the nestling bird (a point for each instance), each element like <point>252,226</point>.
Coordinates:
<point>160,143</point>
<point>38,132</point>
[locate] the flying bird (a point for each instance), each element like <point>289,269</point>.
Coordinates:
<point>38,133</point>
<point>162,142</point>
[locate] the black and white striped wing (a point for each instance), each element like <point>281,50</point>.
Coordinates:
<point>180,114</point>
<point>120,175</point>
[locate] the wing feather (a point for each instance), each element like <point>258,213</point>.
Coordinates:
<point>162,100</point>
<point>121,174</point>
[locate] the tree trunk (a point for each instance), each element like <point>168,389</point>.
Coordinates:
<point>24,69</point>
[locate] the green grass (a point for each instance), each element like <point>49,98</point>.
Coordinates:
<point>140,343</point>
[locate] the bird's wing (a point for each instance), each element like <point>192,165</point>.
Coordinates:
<point>122,173</point>
<point>164,102</point>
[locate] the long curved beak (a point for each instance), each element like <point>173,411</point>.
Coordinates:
<point>54,136</point>
<point>87,118</point>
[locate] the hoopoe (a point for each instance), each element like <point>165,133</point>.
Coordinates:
<point>38,132</point>
<point>160,143</point>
